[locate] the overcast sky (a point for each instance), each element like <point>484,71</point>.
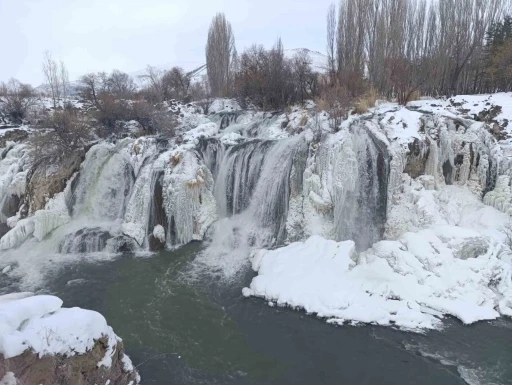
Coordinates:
<point>95,35</point>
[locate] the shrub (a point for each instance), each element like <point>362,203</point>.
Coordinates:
<point>15,100</point>
<point>153,119</point>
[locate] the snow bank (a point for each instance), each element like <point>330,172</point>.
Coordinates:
<point>205,130</point>
<point>471,105</point>
<point>223,105</point>
<point>410,283</point>
<point>40,324</point>
<point>400,124</point>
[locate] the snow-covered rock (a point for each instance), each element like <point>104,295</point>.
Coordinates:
<point>36,328</point>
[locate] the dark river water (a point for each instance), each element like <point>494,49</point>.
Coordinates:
<point>203,331</point>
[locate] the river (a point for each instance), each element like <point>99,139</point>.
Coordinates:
<point>180,327</point>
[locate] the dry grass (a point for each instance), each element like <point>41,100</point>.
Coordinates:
<point>416,95</point>
<point>176,158</point>
<point>366,102</point>
<point>303,121</point>
<point>322,104</point>
<point>361,106</point>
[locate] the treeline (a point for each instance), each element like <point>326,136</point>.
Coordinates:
<point>265,78</point>
<point>394,48</point>
<point>440,48</point>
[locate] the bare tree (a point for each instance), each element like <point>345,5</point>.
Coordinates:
<point>336,101</point>
<point>220,48</point>
<point>67,135</point>
<point>15,100</point>
<point>52,77</point>
<point>121,84</point>
<point>91,87</point>
<point>303,74</point>
<point>153,120</point>
<point>440,44</point>
<point>153,89</point>
<point>331,41</point>
<point>176,84</point>
<point>64,80</point>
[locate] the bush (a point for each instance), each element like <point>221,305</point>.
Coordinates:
<point>336,101</point>
<point>15,100</point>
<point>153,119</point>
<point>66,132</point>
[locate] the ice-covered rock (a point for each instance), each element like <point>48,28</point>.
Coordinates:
<point>19,234</point>
<point>189,203</point>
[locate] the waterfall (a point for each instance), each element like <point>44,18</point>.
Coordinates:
<point>108,199</point>
<point>105,182</point>
<point>345,188</point>
<point>252,190</point>
<point>361,205</point>
<point>146,194</point>
<point>212,151</point>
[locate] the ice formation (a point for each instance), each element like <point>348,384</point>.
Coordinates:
<point>256,180</point>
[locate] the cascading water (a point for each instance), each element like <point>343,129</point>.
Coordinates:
<point>345,187</point>
<point>252,191</point>
<point>360,209</point>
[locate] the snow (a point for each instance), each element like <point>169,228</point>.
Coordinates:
<point>40,324</point>
<point>205,130</point>
<point>470,105</point>
<point>223,105</point>
<point>159,233</point>
<point>3,131</point>
<point>319,61</point>
<point>404,283</point>
<point>8,379</point>
<point>135,231</point>
<point>400,123</point>
<point>231,138</point>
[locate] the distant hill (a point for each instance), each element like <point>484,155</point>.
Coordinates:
<point>319,64</point>
<point>319,60</point>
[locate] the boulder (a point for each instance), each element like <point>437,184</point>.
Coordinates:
<point>30,369</point>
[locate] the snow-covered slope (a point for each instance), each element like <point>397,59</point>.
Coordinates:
<point>319,62</point>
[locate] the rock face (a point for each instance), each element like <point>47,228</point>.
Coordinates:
<point>47,180</point>
<point>30,369</point>
<point>13,136</point>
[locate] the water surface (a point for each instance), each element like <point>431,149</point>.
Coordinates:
<point>203,331</point>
